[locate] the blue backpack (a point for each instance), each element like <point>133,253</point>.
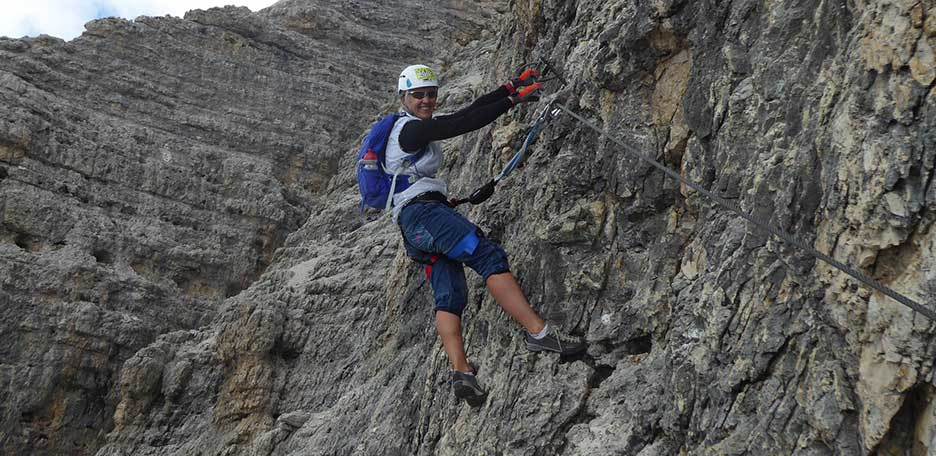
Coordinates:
<point>374,181</point>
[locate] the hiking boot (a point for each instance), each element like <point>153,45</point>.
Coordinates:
<point>466,387</point>
<point>556,341</point>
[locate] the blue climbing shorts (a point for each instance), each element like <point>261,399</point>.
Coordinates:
<point>444,240</point>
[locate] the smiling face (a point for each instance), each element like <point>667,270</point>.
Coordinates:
<point>421,102</point>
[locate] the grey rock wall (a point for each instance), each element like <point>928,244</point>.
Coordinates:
<point>706,336</point>
<point>148,171</point>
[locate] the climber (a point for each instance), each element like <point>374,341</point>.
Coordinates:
<point>442,239</point>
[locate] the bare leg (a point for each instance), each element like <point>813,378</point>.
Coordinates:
<point>449,327</point>
<point>510,297</point>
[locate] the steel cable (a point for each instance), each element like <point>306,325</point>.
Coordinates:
<point>786,237</point>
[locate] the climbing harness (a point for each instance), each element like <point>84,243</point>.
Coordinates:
<point>786,237</point>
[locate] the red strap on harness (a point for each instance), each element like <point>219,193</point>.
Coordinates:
<point>432,261</point>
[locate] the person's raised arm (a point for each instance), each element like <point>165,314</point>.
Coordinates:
<point>418,133</point>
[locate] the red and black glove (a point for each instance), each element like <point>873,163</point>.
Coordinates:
<point>525,78</point>
<point>527,94</point>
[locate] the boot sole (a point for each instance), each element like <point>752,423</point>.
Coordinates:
<point>473,396</point>
<point>540,348</point>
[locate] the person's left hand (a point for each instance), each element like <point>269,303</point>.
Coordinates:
<point>527,94</point>
<point>525,78</point>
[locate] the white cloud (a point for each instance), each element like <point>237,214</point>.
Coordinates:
<point>66,18</point>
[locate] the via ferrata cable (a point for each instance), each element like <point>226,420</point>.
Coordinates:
<point>786,237</point>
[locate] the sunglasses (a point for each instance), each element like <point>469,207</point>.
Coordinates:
<point>432,94</point>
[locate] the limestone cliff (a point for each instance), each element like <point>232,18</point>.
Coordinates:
<point>184,269</point>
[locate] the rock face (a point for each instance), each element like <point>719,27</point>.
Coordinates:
<point>185,270</point>
<point>148,171</point>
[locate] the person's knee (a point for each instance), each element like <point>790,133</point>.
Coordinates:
<point>449,287</point>
<point>488,259</point>
<point>449,298</point>
<point>452,303</point>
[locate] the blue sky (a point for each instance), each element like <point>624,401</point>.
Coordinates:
<point>66,18</point>
<point>105,11</point>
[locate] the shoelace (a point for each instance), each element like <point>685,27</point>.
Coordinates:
<point>562,337</point>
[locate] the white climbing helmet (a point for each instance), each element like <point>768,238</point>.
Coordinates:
<point>416,76</point>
